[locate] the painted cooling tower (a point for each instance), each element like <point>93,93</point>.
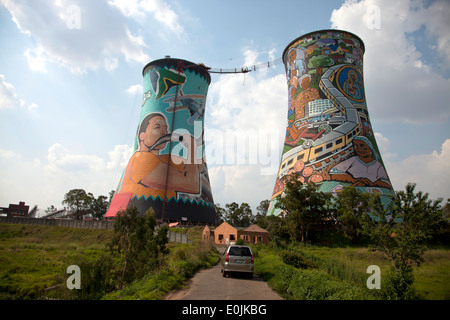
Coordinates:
<point>167,171</point>
<point>329,139</point>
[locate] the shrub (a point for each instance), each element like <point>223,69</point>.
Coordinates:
<point>296,259</point>
<point>399,285</point>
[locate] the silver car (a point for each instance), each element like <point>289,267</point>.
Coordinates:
<point>237,259</point>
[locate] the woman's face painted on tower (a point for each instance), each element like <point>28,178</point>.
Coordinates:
<point>157,127</point>
<point>362,150</point>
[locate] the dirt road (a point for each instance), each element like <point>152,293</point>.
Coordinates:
<point>209,284</point>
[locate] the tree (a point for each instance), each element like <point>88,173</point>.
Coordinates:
<point>220,213</point>
<point>50,210</point>
<point>303,205</point>
<point>261,213</point>
<point>77,202</point>
<point>139,244</point>
<point>351,206</point>
<point>277,228</point>
<point>98,207</point>
<point>263,207</point>
<point>400,231</point>
<point>239,215</point>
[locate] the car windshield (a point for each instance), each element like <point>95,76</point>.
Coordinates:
<point>239,251</point>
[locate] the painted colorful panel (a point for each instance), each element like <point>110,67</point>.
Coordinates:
<point>329,139</point>
<point>167,171</point>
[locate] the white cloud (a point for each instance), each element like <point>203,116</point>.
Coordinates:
<point>431,172</point>
<point>111,63</point>
<point>399,85</point>
<point>8,154</point>
<point>36,59</point>
<point>60,159</point>
<point>245,125</point>
<point>89,35</point>
<point>436,19</point>
<point>240,183</point>
<point>33,106</point>
<point>160,10</point>
<point>119,156</point>
<point>8,96</point>
<point>135,89</point>
<point>383,145</point>
<point>47,180</point>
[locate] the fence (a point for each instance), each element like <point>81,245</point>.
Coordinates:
<point>86,224</point>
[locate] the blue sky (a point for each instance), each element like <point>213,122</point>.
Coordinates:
<point>71,88</point>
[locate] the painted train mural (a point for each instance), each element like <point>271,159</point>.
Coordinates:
<point>167,170</point>
<point>329,138</point>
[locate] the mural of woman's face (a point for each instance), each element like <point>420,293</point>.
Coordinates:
<point>306,82</point>
<point>157,127</point>
<point>362,150</point>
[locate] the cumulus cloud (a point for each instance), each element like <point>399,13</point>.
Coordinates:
<point>160,10</point>
<point>81,37</point>
<point>244,131</point>
<point>135,89</point>
<point>35,59</point>
<point>431,172</point>
<point>118,158</point>
<point>8,154</point>
<point>400,85</point>
<point>44,182</point>
<point>240,183</point>
<point>8,96</point>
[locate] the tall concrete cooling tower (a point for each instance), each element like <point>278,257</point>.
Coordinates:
<point>329,138</point>
<point>167,171</point>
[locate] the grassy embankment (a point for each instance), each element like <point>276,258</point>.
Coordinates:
<point>340,273</point>
<point>34,258</point>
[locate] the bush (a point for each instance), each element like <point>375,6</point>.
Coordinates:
<point>296,259</point>
<point>98,277</point>
<point>399,285</point>
<point>315,285</point>
<point>183,262</point>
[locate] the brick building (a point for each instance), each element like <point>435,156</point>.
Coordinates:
<point>254,235</point>
<point>15,210</point>
<point>219,236</point>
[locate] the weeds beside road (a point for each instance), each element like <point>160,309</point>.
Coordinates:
<point>35,258</point>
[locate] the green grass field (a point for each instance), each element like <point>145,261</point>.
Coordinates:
<point>34,258</point>
<point>348,265</point>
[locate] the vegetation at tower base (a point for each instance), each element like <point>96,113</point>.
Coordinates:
<point>351,206</point>
<point>400,232</point>
<point>327,266</point>
<point>304,206</point>
<point>137,241</point>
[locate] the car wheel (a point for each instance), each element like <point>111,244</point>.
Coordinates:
<point>224,273</point>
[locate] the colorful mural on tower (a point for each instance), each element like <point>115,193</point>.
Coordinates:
<point>329,138</point>
<point>167,170</point>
